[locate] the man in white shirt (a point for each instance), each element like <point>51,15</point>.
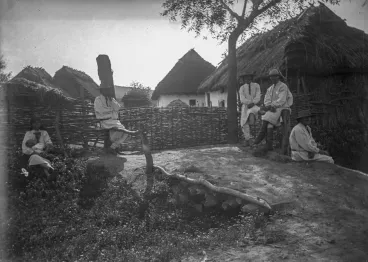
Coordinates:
<point>107,111</point>
<point>250,95</point>
<point>303,147</point>
<point>278,97</point>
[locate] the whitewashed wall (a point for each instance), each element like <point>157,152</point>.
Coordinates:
<point>164,100</point>
<point>216,97</point>
<point>121,91</point>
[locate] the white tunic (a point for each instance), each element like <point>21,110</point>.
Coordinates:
<point>302,142</point>
<point>249,94</point>
<point>38,148</point>
<point>108,112</point>
<point>44,140</point>
<point>280,97</point>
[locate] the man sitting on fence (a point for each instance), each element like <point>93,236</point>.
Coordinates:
<point>303,147</point>
<point>278,98</point>
<point>107,111</point>
<point>250,95</point>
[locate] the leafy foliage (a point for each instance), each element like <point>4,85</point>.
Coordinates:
<point>46,222</point>
<point>4,76</point>
<point>345,142</point>
<point>139,96</point>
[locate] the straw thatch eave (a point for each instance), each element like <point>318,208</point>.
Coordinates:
<point>185,76</point>
<point>20,89</point>
<point>316,42</point>
<point>71,80</point>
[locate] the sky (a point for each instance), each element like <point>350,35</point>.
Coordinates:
<point>141,44</point>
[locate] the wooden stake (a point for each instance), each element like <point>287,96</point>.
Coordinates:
<point>57,129</point>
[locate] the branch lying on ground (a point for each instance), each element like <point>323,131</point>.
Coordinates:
<point>257,201</point>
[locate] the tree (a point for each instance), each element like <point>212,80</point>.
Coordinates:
<point>139,96</point>
<point>138,85</point>
<point>4,76</point>
<point>219,18</point>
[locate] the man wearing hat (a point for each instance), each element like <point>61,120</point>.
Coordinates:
<point>278,97</point>
<point>107,111</point>
<point>303,147</point>
<point>250,95</point>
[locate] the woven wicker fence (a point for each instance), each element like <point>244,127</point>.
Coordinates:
<point>167,128</point>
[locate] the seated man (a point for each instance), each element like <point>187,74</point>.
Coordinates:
<point>250,95</point>
<point>107,111</point>
<point>303,146</point>
<point>35,144</point>
<point>278,98</point>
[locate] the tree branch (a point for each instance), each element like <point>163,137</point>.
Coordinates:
<point>239,18</point>
<point>256,12</point>
<point>244,8</point>
<point>269,5</point>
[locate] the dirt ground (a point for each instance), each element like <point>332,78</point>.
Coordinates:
<point>327,221</point>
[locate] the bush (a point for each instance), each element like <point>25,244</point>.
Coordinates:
<point>344,142</point>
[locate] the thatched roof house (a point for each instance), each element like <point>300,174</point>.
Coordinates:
<point>183,79</point>
<point>78,84</point>
<point>31,92</point>
<point>317,42</point>
<point>33,86</point>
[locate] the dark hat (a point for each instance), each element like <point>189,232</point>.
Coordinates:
<point>304,113</point>
<point>275,72</point>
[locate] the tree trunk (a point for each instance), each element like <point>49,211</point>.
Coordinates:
<point>232,114</point>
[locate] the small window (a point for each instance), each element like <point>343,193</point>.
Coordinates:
<point>222,103</point>
<point>192,102</point>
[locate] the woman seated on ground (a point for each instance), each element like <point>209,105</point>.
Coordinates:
<point>36,144</point>
<point>107,111</point>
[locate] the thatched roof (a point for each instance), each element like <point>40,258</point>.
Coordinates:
<point>34,85</point>
<point>315,42</point>
<point>35,74</point>
<point>185,76</point>
<point>177,103</point>
<point>70,80</point>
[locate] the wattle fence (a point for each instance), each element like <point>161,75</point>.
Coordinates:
<point>167,128</point>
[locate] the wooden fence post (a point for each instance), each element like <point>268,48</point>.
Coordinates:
<point>285,114</point>
<point>57,129</point>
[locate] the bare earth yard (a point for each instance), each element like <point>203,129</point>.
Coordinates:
<point>328,220</point>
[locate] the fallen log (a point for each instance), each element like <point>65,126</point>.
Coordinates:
<point>222,190</point>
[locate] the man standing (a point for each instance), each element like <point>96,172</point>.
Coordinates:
<point>250,95</point>
<point>303,147</point>
<point>107,111</point>
<point>277,98</point>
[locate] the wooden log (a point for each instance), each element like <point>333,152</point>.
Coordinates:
<point>254,200</point>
